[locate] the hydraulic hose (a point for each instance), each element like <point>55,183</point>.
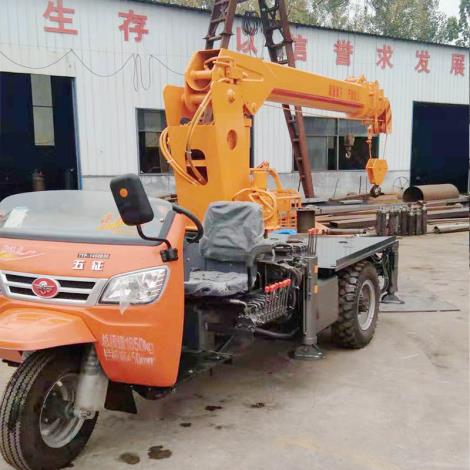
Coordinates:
<point>276,335</point>
<point>192,126</point>
<point>198,179</point>
<point>171,161</point>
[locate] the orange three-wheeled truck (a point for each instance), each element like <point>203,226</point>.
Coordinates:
<point>107,294</point>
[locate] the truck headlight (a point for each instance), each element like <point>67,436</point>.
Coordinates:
<point>141,287</point>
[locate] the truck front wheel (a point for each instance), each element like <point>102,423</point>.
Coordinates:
<point>38,429</point>
<point>359,294</point>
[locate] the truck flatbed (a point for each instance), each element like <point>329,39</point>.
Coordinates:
<point>336,253</point>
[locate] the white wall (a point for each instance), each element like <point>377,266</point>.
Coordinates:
<point>106,107</point>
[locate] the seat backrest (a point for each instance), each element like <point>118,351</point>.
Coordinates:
<point>231,230</point>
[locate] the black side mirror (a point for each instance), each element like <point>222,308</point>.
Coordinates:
<point>131,200</point>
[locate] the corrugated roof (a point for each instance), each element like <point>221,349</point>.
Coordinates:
<point>324,28</point>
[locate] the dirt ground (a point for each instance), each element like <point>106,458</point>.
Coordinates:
<point>401,403</point>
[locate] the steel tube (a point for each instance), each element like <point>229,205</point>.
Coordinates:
<point>346,231</point>
<point>405,214</point>
<point>430,192</point>
<point>392,222</point>
<point>451,228</point>
<point>412,223</point>
<point>419,221</point>
<point>424,221</point>
<point>380,222</point>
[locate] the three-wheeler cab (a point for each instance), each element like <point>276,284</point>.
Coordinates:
<point>105,294</point>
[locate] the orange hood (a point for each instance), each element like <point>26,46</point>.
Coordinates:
<point>88,260</point>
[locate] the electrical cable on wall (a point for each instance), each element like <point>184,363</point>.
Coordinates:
<point>166,66</point>
<point>136,59</point>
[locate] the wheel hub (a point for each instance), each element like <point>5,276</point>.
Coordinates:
<point>57,423</point>
<point>366,305</point>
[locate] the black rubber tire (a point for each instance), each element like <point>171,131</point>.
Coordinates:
<point>21,443</point>
<point>346,330</point>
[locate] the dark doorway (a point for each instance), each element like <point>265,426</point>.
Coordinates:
<point>37,133</point>
<point>440,144</point>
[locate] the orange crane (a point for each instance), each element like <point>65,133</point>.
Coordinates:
<point>207,141</point>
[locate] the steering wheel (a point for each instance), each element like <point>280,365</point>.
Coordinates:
<point>192,218</point>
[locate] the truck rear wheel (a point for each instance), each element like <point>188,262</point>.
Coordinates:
<point>359,294</point>
<point>38,429</point>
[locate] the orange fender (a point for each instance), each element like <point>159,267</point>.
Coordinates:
<point>30,330</point>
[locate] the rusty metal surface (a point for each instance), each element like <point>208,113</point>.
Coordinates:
<point>223,13</point>
<point>430,192</point>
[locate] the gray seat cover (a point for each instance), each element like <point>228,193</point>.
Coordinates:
<point>231,230</point>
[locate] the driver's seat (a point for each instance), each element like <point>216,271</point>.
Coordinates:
<point>233,238</point>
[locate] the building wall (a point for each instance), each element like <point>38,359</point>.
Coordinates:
<point>106,106</point>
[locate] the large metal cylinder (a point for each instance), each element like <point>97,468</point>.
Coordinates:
<point>392,222</point>
<point>419,221</point>
<point>380,221</point>
<point>412,223</point>
<point>405,214</point>
<point>424,220</point>
<point>430,192</point>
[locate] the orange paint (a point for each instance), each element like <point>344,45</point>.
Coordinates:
<point>140,346</point>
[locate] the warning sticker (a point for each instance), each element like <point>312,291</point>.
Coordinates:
<point>128,349</point>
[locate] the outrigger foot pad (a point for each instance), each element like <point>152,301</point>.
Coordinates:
<point>391,299</point>
<point>307,353</point>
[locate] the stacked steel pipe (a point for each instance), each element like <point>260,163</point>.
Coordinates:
<point>402,220</point>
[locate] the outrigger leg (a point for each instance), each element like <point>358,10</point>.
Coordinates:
<point>390,296</point>
<point>308,350</point>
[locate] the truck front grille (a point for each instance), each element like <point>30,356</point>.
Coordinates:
<point>71,290</point>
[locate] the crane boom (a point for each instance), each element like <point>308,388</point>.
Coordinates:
<point>210,118</point>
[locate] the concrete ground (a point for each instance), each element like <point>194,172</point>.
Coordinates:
<point>401,403</point>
